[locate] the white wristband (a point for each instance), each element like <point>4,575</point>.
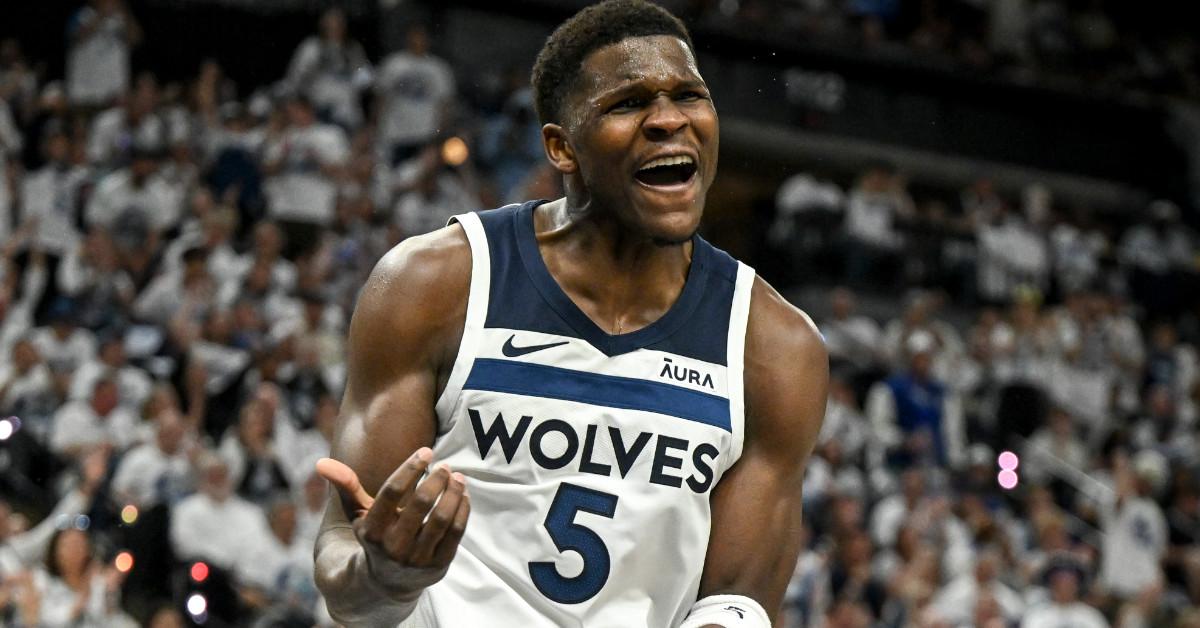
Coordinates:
<point>729,611</point>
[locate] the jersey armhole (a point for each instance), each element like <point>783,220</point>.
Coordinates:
<point>739,315</point>
<point>477,308</point>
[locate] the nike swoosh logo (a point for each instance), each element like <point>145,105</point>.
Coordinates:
<point>513,351</point>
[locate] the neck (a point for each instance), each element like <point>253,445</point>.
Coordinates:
<point>642,277</point>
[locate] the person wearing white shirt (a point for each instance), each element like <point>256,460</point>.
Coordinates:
<point>137,189</point>
<point>955,602</point>
<point>1135,533</point>
<point>100,35</point>
<point>303,165</point>
<point>215,524</point>
<point>332,70</point>
<point>50,196</point>
<point>279,556</point>
<point>415,88</point>
<point>134,383</point>
<point>64,344</point>
<point>157,472</point>
<point>850,336</point>
<point>1064,610</point>
<point>16,314</point>
<point>80,425</point>
<point>189,291</point>
<point>136,124</point>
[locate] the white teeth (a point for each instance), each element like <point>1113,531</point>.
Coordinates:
<point>677,160</point>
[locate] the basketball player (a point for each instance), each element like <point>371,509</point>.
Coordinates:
<point>577,412</point>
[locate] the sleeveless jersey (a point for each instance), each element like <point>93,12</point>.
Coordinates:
<point>590,458</point>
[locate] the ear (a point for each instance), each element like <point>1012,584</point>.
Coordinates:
<point>558,149</point>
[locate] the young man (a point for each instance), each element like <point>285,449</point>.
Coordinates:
<point>630,407</point>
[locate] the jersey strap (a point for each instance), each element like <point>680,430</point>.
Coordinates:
<point>477,306</point>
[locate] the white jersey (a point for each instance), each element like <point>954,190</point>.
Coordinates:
<point>590,457</point>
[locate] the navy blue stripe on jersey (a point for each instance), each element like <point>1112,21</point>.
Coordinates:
<point>539,380</point>
<point>524,295</point>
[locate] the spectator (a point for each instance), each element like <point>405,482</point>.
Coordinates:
<point>849,336</point>
<point>215,524</point>
<point>914,415</point>
<point>74,590</point>
<point>331,69</point>
<point>433,192</point>
<point>51,197</point>
<point>1012,253</point>
<point>956,601</point>
<point>136,193</point>
<point>510,144</point>
<point>134,383</point>
<point>98,421</point>
<point>188,292</point>
<point>1065,581</point>
<point>117,133</point>
<point>873,210</point>
<point>157,472</point>
<point>1155,254</point>
<point>304,163</point>
<point>415,91</point>
<point>63,343</point>
<point>101,36</point>
<point>1135,531</point>
<point>253,454</point>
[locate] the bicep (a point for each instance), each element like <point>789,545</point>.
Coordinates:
<point>406,324</point>
<point>756,508</point>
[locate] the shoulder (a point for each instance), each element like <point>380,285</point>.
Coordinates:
<point>415,298</point>
<point>782,341</point>
<point>786,370</point>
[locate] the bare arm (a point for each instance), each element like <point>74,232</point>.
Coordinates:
<point>374,554</point>
<point>757,505</point>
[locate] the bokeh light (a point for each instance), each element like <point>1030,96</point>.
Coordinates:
<point>196,604</point>
<point>1008,461</point>
<point>199,572</point>
<point>129,514</point>
<point>83,522</point>
<point>1007,479</point>
<point>124,562</point>
<point>6,429</point>
<point>454,151</point>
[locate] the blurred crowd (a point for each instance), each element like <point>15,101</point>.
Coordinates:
<point>178,263</point>
<point>1090,45</point>
<point>1016,444</point>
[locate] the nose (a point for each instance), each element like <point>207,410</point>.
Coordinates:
<point>665,118</point>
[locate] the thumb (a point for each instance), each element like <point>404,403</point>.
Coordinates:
<point>345,480</point>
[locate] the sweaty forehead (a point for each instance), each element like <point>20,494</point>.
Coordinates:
<point>659,59</point>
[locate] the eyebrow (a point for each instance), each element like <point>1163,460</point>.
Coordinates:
<point>630,83</point>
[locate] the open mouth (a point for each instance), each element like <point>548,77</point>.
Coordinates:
<point>667,171</point>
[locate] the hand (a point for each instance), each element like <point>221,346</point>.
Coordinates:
<point>92,470</point>
<point>404,555</point>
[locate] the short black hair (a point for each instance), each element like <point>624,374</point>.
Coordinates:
<point>595,27</point>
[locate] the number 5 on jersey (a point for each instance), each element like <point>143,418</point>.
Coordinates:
<point>570,536</point>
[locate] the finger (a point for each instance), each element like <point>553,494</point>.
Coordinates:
<point>354,497</point>
<point>395,493</point>
<point>402,534</point>
<point>438,522</point>
<point>450,540</point>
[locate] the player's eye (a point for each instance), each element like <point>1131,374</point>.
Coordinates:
<point>628,104</point>
<point>692,95</point>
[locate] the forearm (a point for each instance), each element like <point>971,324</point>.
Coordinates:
<point>342,575</point>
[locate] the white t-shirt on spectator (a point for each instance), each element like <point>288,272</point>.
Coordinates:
<point>147,475</point>
<point>77,424</point>
<point>332,76</point>
<point>264,564</point>
<point>156,199</point>
<point>111,138</point>
<point>134,383</point>
<point>413,89</point>
<point>955,602</point>
<point>97,65</point>
<point>51,196</point>
<point>58,603</point>
<point>1135,540</point>
<point>77,348</point>
<point>34,382</point>
<point>300,191</point>
<point>1074,615</point>
<point>219,532</point>
<point>415,213</point>
<point>870,218</point>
